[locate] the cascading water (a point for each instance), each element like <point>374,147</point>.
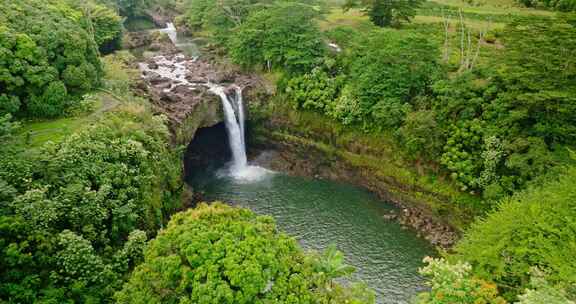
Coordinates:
<point>186,45</point>
<point>234,129</point>
<point>170,30</point>
<point>240,106</point>
<point>239,168</point>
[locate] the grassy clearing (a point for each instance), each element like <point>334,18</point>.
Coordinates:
<point>481,14</point>
<point>474,24</point>
<point>34,134</point>
<point>353,18</point>
<point>495,7</point>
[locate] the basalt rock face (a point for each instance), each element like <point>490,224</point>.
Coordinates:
<point>177,86</point>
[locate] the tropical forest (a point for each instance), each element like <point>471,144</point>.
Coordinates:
<point>288,151</point>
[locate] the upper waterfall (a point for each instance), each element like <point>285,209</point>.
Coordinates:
<point>170,30</point>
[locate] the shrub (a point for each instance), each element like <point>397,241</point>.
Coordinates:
<point>534,228</point>
<point>455,283</point>
<point>48,56</point>
<point>388,71</point>
<point>73,215</point>
<point>220,254</point>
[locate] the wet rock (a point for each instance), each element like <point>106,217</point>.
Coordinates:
<point>153,65</point>
<point>390,216</point>
<point>157,80</point>
<point>196,79</point>
<point>164,86</point>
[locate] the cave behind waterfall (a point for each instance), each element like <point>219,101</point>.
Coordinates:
<point>208,151</point>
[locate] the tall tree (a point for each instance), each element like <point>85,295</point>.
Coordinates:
<point>385,13</point>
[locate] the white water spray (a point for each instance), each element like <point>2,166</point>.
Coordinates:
<point>240,106</point>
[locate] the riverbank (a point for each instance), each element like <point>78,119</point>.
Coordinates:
<point>308,144</point>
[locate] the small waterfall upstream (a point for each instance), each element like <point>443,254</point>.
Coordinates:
<point>170,30</point>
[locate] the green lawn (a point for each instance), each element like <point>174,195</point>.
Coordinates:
<point>479,14</point>
<point>353,18</point>
<point>33,134</point>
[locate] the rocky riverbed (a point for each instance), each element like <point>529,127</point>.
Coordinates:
<point>178,87</point>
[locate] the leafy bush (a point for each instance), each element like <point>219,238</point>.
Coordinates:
<point>505,123</point>
<point>387,12</point>
<point>533,228</point>
<point>220,254</point>
<point>542,292</point>
<point>388,71</point>
<point>313,91</point>
<point>455,283</point>
<point>103,23</point>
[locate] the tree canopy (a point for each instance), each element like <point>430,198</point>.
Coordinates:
<point>49,54</point>
<point>385,13</point>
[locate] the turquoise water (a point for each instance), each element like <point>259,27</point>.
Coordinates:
<point>319,213</point>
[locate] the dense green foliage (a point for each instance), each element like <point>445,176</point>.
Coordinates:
<point>284,36</point>
<point>534,228</point>
<point>266,34</point>
<point>220,254</point>
<point>386,71</point>
<point>506,122</point>
<point>492,129</point>
<point>75,215</point>
<point>559,5</point>
<point>49,54</point>
<point>68,210</point>
<point>456,284</point>
<point>102,22</point>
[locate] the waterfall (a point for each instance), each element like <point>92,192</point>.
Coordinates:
<point>234,120</point>
<point>240,107</point>
<point>170,30</point>
<point>175,69</point>
<point>234,127</point>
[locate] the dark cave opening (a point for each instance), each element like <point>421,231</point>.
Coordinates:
<point>208,151</point>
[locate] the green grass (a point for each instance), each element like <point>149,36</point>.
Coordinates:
<point>479,14</point>
<point>470,23</point>
<point>353,18</point>
<point>495,7</point>
<point>34,134</point>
